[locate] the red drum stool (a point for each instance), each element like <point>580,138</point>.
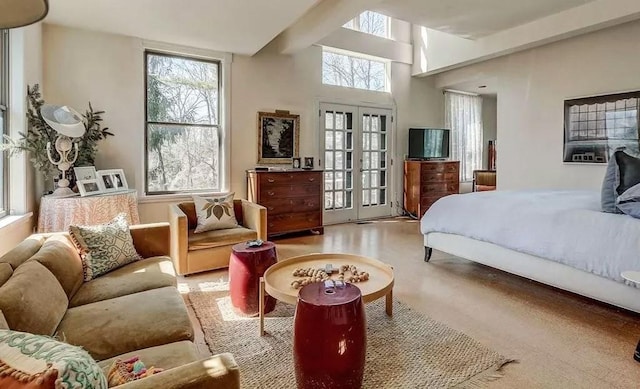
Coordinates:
<point>246,266</point>
<point>329,336</point>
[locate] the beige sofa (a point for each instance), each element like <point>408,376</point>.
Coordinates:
<point>210,250</point>
<point>134,310</point>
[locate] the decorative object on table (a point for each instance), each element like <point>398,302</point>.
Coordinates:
<point>329,336</point>
<point>321,275</point>
<point>255,243</point>
<point>491,162</point>
<point>90,187</point>
<point>85,173</point>
<point>308,163</point>
<point>68,124</point>
<point>278,136</point>
<point>246,266</point>
<point>20,13</point>
<point>296,163</point>
<point>112,180</point>
<point>215,213</point>
<point>104,247</point>
<point>595,126</point>
<point>39,133</point>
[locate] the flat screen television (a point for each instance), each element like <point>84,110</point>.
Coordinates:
<point>428,143</point>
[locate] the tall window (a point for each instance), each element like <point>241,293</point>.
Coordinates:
<point>371,23</point>
<point>4,125</point>
<point>354,72</point>
<point>463,115</point>
<point>183,140</point>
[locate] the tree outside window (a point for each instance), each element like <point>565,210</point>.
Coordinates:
<point>182,134</point>
<point>370,22</point>
<point>353,72</point>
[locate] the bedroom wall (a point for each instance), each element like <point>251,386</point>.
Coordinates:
<point>531,87</point>
<point>108,70</point>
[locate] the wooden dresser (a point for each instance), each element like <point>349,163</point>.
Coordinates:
<point>427,181</point>
<point>293,199</point>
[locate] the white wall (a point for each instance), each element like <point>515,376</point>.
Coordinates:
<point>108,70</point>
<point>489,125</point>
<point>531,88</point>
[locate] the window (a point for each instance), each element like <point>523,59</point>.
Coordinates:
<point>4,125</point>
<point>370,22</point>
<point>463,115</point>
<point>183,140</point>
<point>354,72</point>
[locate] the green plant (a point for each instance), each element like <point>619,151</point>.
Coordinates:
<point>39,133</point>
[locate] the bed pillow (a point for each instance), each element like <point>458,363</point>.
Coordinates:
<point>104,247</point>
<point>608,194</point>
<point>215,213</point>
<point>628,171</point>
<point>629,201</point>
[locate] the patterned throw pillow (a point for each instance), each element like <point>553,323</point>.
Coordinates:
<point>37,361</point>
<point>215,213</point>
<point>104,247</point>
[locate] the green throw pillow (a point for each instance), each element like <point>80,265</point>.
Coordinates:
<point>31,357</point>
<point>104,247</point>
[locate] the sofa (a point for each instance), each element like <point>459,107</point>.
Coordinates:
<point>484,180</point>
<point>133,310</point>
<point>210,250</point>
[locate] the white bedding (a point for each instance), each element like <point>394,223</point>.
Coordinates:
<point>562,226</point>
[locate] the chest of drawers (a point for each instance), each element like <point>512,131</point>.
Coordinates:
<point>293,199</point>
<point>427,181</point>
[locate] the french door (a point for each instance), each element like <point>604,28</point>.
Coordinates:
<point>356,144</point>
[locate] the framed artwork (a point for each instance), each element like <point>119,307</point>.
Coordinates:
<point>296,162</point>
<point>90,187</point>
<point>594,127</point>
<point>308,163</point>
<point>112,180</point>
<point>83,173</point>
<point>278,137</point>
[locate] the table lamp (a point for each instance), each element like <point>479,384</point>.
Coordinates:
<point>68,124</point>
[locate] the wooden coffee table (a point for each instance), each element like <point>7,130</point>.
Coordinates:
<point>276,281</point>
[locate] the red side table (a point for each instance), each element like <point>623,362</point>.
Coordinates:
<point>246,266</point>
<point>329,337</point>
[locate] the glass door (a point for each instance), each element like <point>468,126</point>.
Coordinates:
<point>375,160</point>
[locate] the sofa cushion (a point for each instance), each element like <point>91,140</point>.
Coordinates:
<point>219,238</point>
<point>46,359</point>
<point>104,247</point>
<point>19,254</point>
<point>215,213</point>
<point>166,356</point>
<point>33,300</point>
<point>62,259</point>
<point>124,324</point>
<point>5,273</point>
<point>146,274</point>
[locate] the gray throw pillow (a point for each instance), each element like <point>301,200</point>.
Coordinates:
<point>608,194</point>
<point>628,171</point>
<point>629,201</point>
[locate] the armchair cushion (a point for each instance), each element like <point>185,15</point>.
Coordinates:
<point>219,238</point>
<point>215,213</point>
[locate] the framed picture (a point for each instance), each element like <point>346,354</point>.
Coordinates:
<point>90,187</point>
<point>296,162</point>
<point>595,126</point>
<point>308,163</point>
<point>278,137</point>
<point>84,173</point>
<point>112,180</point>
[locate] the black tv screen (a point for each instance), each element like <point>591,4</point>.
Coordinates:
<point>428,143</point>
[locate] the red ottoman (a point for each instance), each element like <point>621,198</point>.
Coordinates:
<point>329,336</point>
<point>246,266</point>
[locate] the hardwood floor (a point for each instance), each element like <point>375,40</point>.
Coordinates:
<point>561,340</point>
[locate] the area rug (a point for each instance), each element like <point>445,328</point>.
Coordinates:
<point>408,350</point>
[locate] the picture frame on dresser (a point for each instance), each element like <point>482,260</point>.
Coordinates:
<point>278,137</point>
<point>90,187</point>
<point>112,180</point>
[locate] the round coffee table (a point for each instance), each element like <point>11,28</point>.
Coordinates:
<point>277,279</point>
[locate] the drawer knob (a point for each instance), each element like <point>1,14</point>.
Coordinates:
<point>311,179</point>
<point>271,193</point>
<point>271,180</point>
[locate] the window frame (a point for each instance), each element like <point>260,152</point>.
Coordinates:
<point>219,126</point>
<point>4,106</point>
<point>356,25</point>
<point>353,54</point>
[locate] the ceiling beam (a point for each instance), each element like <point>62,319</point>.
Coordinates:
<point>320,21</point>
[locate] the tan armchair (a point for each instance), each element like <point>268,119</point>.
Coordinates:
<point>484,180</point>
<point>193,253</point>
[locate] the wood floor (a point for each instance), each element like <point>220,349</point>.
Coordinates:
<point>560,340</point>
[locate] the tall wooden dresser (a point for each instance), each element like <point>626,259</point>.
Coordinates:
<point>293,199</point>
<point>427,181</point>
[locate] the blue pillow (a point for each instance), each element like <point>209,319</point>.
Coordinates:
<point>609,184</point>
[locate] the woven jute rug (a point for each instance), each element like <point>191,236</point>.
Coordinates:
<point>408,350</point>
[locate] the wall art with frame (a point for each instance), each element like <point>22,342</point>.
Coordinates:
<point>595,126</point>
<point>278,137</point>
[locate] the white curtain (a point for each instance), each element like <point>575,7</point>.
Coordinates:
<point>463,115</point>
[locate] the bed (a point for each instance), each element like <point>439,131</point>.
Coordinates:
<point>560,238</point>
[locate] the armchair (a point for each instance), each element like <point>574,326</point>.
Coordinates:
<point>484,180</point>
<point>193,253</point>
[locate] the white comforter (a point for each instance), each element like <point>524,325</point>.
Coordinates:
<point>563,226</point>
